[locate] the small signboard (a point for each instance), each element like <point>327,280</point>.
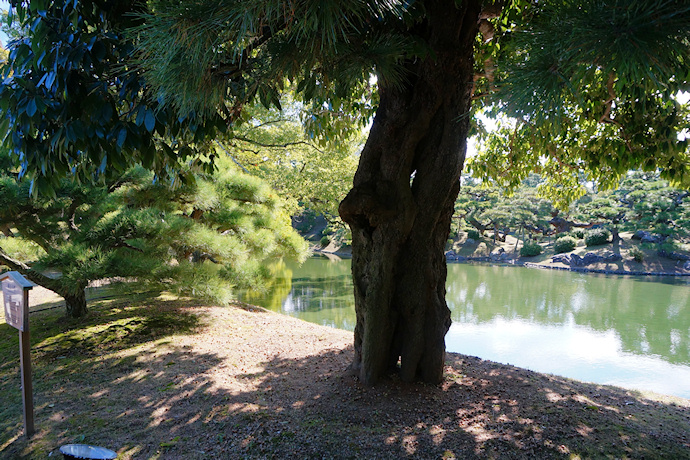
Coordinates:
<point>16,308</point>
<point>14,304</point>
<point>15,293</point>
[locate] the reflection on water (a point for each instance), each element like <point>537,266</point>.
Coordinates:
<point>633,332</point>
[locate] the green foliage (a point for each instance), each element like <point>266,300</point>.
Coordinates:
<point>592,103</point>
<point>564,244</point>
<point>597,237</point>
<point>669,246</point>
<point>328,55</point>
<point>305,220</point>
<point>531,249</point>
<point>490,207</point>
<point>20,248</point>
<point>473,234</point>
<point>273,145</point>
<point>578,233</point>
<point>637,254</point>
<point>72,104</point>
<point>205,238</point>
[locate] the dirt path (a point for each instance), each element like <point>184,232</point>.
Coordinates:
<point>171,380</point>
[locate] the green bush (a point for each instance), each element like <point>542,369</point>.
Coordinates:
<point>474,234</point>
<point>578,234</point>
<point>325,240</point>
<point>669,246</point>
<point>637,254</point>
<point>564,244</point>
<point>597,237</point>
<point>530,249</point>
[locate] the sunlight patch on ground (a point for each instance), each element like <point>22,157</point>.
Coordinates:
<point>11,440</point>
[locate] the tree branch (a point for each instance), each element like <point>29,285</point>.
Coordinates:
<point>606,117</point>
<point>124,244</point>
<point>278,146</point>
<point>30,273</point>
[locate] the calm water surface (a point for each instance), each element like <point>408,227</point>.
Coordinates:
<point>627,331</point>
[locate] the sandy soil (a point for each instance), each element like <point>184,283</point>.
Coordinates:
<point>246,383</point>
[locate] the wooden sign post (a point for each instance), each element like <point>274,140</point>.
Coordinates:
<point>15,291</point>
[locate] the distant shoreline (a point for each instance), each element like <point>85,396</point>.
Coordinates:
<point>514,261</point>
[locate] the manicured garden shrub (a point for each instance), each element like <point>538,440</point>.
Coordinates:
<point>474,234</point>
<point>578,233</point>
<point>637,254</point>
<point>597,237</point>
<point>564,244</point>
<point>530,249</point>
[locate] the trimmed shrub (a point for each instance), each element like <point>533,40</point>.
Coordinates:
<point>474,234</point>
<point>669,246</point>
<point>637,254</point>
<point>564,244</point>
<point>578,233</point>
<point>530,249</point>
<point>597,237</point>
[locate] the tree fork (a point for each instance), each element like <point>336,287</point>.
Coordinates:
<point>401,203</point>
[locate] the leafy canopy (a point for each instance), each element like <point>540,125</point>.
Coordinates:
<point>93,87</point>
<point>74,105</point>
<point>272,145</point>
<point>591,87</point>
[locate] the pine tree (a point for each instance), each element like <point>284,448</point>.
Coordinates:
<point>204,238</point>
<point>600,71</point>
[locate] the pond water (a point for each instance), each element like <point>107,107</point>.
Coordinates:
<point>632,332</point>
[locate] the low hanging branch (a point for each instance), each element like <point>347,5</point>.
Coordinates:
<point>29,273</point>
<point>278,146</point>
<point>606,117</point>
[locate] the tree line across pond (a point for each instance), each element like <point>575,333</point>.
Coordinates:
<point>641,202</point>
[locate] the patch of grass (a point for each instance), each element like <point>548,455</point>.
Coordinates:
<point>75,363</point>
<point>107,331</point>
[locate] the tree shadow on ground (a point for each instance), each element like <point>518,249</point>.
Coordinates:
<point>483,410</point>
<point>155,392</point>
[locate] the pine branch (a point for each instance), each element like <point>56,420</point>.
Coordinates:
<point>30,273</point>
<point>278,146</point>
<point>123,244</point>
<point>71,212</point>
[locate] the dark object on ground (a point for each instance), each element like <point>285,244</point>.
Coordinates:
<point>83,451</point>
<point>673,255</point>
<point>647,237</point>
<point>589,258</point>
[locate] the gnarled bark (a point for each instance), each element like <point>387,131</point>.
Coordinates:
<point>75,304</point>
<point>401,204</point>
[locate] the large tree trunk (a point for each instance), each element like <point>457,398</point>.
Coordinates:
<point>76,304</point>
<point>401,204</point>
